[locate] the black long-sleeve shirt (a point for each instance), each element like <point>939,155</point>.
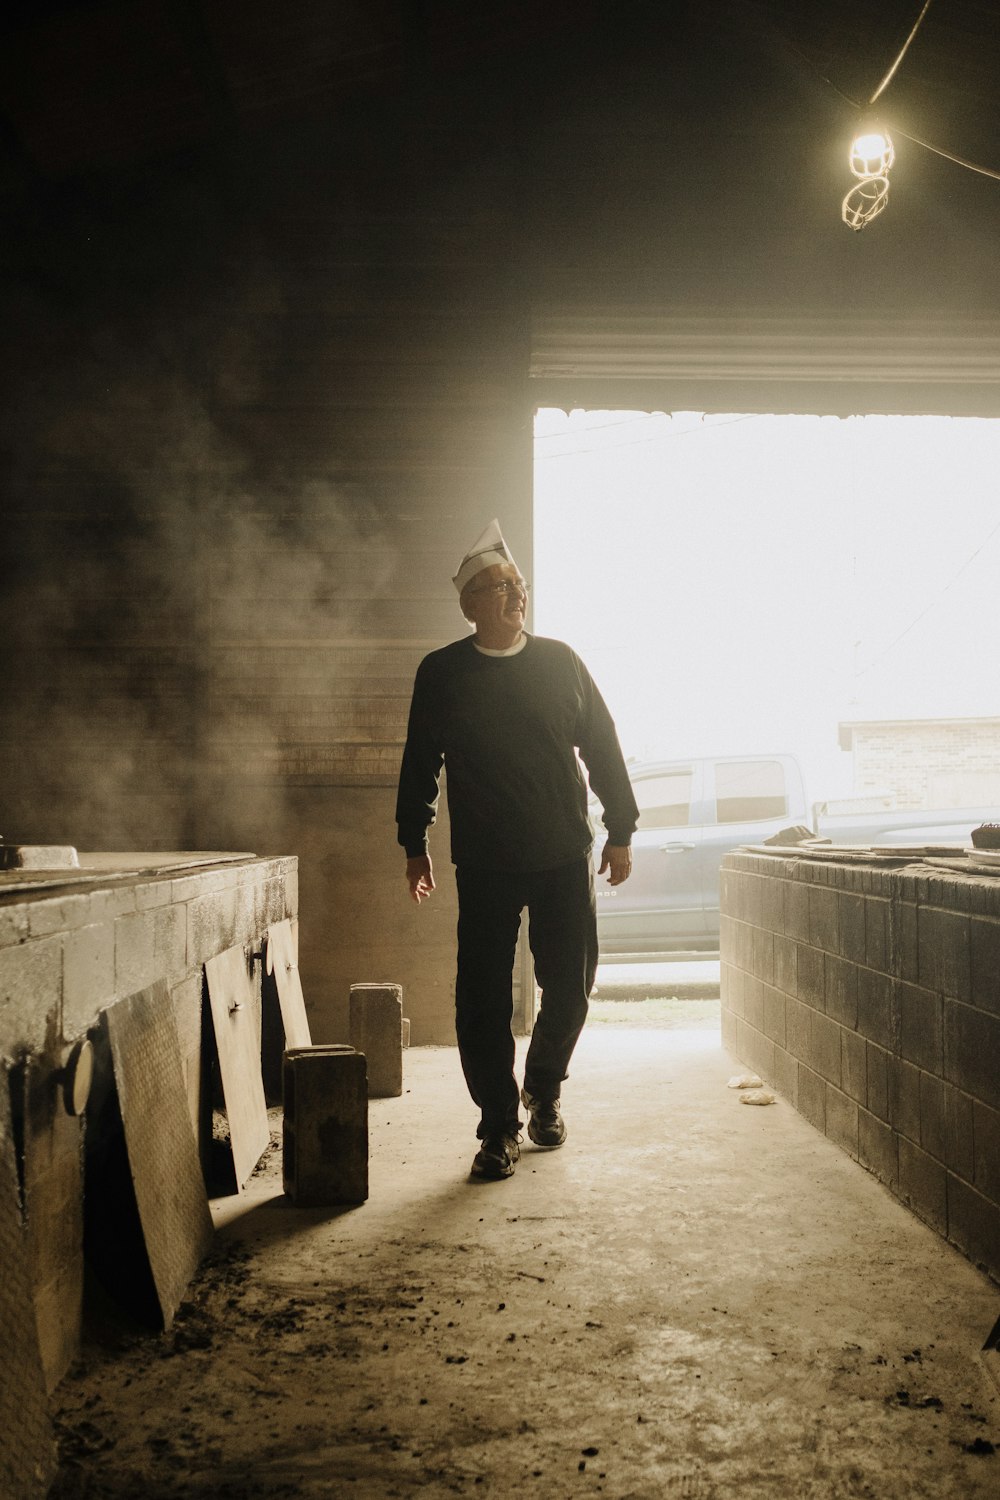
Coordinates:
<point>506,729</point>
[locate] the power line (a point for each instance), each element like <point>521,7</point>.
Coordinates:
<point>931,605</point>
<point>902,53</point>
<point>638,442</point>
<point>952,156</point>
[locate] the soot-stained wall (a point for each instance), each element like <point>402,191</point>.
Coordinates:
<point>268,386</point>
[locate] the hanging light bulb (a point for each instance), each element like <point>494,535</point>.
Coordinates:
<point>872,152</point>
<point>865,201</point>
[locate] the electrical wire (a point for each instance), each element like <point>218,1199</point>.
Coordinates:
<point>638,442</point>
<point>905,48</point>
<point>932,604</point>
<point>948,155</point>
<point>960,161</point>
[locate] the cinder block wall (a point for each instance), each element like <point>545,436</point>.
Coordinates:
<point>64,957</point>
<point>870,998</point>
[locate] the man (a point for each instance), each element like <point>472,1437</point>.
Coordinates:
<point>505,712</point>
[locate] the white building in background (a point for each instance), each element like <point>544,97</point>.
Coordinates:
<point>926,762</point>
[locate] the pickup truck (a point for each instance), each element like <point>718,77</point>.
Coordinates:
<point>692,812</point>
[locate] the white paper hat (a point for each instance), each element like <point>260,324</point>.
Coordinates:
<point>486,550</point>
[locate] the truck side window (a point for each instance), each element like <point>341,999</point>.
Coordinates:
<point>746,790</point>
<point>664,801</point>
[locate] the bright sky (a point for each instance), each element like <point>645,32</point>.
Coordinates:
<point>743,583</point>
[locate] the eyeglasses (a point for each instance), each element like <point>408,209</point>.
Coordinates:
<point>508,586</point>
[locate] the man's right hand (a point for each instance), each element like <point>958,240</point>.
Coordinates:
<point>420,877</point>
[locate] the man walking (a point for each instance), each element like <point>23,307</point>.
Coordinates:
<point>505,713</point>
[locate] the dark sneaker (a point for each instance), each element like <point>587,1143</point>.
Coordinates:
<point>545,1123</point>
<point>496,1156</point>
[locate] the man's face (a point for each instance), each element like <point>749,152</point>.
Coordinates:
<point>492,611</point>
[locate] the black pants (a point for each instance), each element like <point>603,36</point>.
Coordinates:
<point>562,932</point>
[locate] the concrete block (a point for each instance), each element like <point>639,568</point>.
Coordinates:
<point>406,1032</point>
<point>877,1063</point>
<point>797,1028</point>
<point>903,952</point>
<point>904,1098</point>
<point>875,1008</point>
<point>774,1014</point>
<point>943,958</point>
<point>971,1049</point>
<point>986,1134</point>
<point>785,968</point>
<point>13,925</point>
<point>325,1129</point>
<point>246,921</point>
<point>876,933</point>
<point>812,1097</point>
<point>841,991</point>
<point>922,1185</point>
<point>753,1001</point>
<point>854,1066</point>
<point>763,955</point>
<point>851,923</point>
<point>135,953</point>
<point>170,941</point>
<point>186,997</point>
<point>30,992</point>
<point>729,1037</point>
<point>751,899</point>
<point>796,910</point>
<point>281,898</point>
<point>811,988</point>
<point>842,1120</point>
<point>786,1075</point>
<point>755,1049</point>
<point>737,989</point>
<point>984,938</point>
<point>54,1200</point>
<point>88,976</point>
<point>921,1027</point>
<point>152,894</point>
<point>824,918</point>
<point>58,914</point>
<point>959,1134</point>
<point>772,914</point>
<point>933,1125</point>
<point>376,1028</point>
<point>727,897</point>
<point>743,946</point>
<point>878,1148</point>
<point>974,1225</point>
<point>824,1047</point>
<point>211,925</point>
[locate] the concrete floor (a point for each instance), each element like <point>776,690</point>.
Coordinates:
<point>693,1298</point>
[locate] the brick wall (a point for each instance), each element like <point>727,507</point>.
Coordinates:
<point>929,763</point>
<point>870,998</point>
<point>64,957</point>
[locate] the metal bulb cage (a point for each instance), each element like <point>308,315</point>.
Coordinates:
<point>865,202</point>
<point>872,153</point>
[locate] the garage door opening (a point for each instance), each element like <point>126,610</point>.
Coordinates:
<point>747,585</point>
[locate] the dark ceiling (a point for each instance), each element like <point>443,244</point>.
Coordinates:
<point>87,85</point>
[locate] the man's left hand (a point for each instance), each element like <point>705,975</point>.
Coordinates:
<point>617,860</point>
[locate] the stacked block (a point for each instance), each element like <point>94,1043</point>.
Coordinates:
<point>869,995</point>
<point>325,1142</point>
<point>376,1029</point>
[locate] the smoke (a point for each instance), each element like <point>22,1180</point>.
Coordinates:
<point>183,592</point>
